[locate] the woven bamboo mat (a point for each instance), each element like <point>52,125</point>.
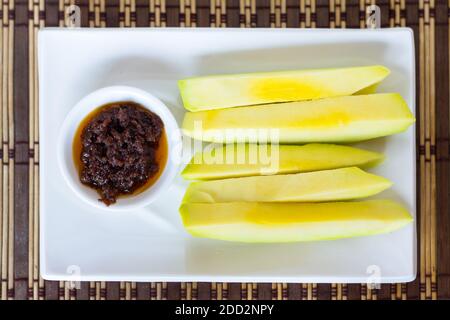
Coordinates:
<point>19,147</point>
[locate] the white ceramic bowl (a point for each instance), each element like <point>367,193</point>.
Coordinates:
<point>81,110</point>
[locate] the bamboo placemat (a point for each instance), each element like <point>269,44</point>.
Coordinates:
<point>19,190</point>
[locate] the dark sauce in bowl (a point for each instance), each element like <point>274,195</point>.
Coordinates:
<point>120,149</point>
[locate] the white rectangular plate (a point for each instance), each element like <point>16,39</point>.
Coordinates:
<point>78,242</point>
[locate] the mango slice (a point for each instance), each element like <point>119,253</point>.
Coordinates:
<point>341,119</point>
<point>240,160</point>
<point>327,185</point>
<point>289,222</point>
<point>223,91</point>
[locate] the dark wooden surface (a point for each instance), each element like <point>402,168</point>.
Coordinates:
<point>323,15</point>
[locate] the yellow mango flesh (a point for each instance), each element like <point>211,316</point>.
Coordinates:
<point>240,160</point>
<point>341,119</point>
<point>327,185</point>
<point>290,222</point>
<point>224,91</point>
